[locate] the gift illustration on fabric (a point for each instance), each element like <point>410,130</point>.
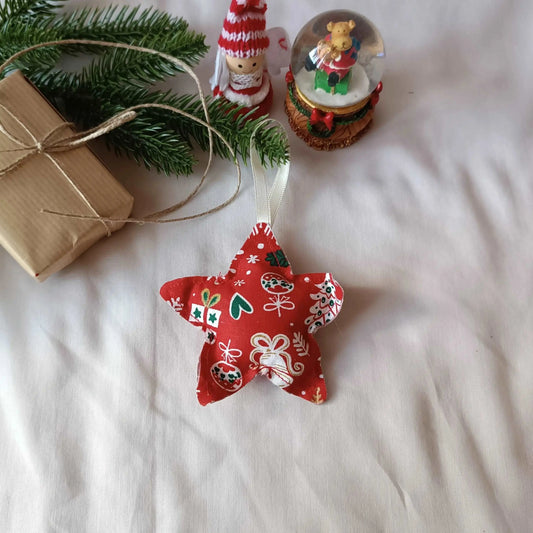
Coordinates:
<point>270,359</point>
<point>204,314</point>
<point>264,326</point>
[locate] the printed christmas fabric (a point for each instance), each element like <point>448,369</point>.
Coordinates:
<point>259,319</point>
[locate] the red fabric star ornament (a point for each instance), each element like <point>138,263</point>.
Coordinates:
<point>259,319</point>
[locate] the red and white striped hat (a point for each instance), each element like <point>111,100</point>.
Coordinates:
<point>243,33</point>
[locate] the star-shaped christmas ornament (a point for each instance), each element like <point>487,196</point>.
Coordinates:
<point>258,319</point>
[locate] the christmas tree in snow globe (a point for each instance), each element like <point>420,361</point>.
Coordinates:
<point>334,81</point>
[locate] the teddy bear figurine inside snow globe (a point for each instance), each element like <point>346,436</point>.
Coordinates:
<point>334,81</point>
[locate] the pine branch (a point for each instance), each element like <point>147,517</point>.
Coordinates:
<point>17,34</point>
<point>118,23</point>
<point>28,9</point>
<point>121,67</point>
<point>150,144</point>
<point>149,28</point>
<point>231,122</point>
<point>147,141</point>
<point>82,102</point>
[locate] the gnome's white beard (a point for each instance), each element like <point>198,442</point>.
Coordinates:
<point>245,81</point>
<point>262,82</point>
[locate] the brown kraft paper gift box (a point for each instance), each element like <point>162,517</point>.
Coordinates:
<point>73,182</point>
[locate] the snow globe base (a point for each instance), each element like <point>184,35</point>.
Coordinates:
<point>323,129</point>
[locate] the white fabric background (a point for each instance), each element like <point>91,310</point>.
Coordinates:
<point>427,222</point>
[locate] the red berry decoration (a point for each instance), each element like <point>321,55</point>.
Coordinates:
<point>289,78</point>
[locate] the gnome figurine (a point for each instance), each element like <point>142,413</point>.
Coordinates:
<point>247,55</point>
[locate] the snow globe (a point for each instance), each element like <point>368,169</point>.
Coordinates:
<point>334,80</point>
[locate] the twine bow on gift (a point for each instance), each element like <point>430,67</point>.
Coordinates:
<point>54,142</point>
<point>318,117</point>
<point>50,144</point>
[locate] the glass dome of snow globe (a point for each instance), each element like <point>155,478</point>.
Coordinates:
<point>338,59</point>
<point>334,82</point>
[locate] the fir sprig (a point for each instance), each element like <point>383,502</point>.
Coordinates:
<point>27,9</point>
<point>116,79</point>
<point>17,34</point>
<point>144,27</point>
<point>89,105</point>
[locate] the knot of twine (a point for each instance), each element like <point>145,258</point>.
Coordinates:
<point>52,142</point>
<point>48,145</point>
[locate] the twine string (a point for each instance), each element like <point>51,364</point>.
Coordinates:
<point>40,147</point>
<point>47,145</point>
<point>154,218</point>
